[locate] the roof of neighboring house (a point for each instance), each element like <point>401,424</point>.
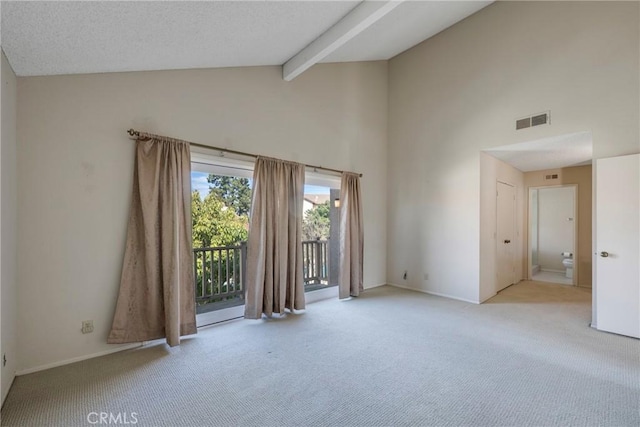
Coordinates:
<point>316,199</point>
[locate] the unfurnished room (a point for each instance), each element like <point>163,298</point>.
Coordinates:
<point>320,213</point>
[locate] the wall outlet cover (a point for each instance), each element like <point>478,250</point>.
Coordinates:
<point>87,326</point>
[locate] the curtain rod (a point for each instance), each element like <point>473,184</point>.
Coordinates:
<point>136,134</point>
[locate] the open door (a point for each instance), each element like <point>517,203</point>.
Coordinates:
<point>617,257</point>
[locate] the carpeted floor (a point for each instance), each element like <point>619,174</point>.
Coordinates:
<point>391,357</point>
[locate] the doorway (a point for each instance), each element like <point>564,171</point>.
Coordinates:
<point>553,235</point>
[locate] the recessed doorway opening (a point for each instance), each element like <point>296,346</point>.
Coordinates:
<point>553,234</point>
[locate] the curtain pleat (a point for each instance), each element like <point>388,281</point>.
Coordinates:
<point>156,297</point>
<point>351,236</point>
<point>274,249</point>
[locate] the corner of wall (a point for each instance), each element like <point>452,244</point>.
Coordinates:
<point>8,227</point>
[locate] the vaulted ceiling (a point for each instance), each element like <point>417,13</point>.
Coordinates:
<point>49,38</point>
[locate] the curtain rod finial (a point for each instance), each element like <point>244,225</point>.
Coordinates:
<point>133,134</point>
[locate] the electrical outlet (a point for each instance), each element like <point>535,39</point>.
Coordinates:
<point>426,276</point>
<point>87,326</point>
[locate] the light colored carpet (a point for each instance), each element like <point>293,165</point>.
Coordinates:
<point>390,357</point>
<point>552,277</point>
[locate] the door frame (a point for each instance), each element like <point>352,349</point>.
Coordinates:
<point>575,228</point>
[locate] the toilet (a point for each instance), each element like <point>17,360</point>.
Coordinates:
<point>567,262</point>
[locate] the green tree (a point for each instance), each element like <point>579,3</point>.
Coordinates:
<point>234,192</point>
<point>214,224</point>
<point>316,223</point>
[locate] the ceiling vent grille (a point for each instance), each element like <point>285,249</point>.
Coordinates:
<point>535,120</point>
<point>523,123</point>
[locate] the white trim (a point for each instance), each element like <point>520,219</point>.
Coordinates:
<point>375,286</point>
<point>322,179</point>
<point>358,20</point>
<point>78,359</point>
<point>321,294</point>
<point>215,164</point>
<point>217,316</point>
<point>13,380</point>
<point>491,296</point>
<point>232,313</point>
<point>437,294</point>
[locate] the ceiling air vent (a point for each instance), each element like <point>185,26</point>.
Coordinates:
<point>535,120</point>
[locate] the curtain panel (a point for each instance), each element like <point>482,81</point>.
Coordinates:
<point>351,236</point>
<point>156,298</point>
<point>274,248</point>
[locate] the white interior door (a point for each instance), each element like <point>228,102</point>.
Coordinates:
<point>618,245</point>
<point>505,235</point>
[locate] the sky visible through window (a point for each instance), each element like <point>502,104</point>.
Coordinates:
<point>199,182</point>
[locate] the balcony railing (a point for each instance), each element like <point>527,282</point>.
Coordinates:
<point>219,273</point>
<point>315,262</point>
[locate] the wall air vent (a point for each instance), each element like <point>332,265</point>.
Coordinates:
<point>540,119</point>
<point>551,176</point>
<point>535,120</point>
<point>523,123</point>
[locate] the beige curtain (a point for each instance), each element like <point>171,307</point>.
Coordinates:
<point>274,248</point>
<point>351,236</point>
<point>156,298</point>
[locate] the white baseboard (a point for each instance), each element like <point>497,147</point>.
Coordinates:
<point>6,393</point>
<point>437,294</point>
<point>488,298</point>
<point>77,359</point>
<point>310,297</point>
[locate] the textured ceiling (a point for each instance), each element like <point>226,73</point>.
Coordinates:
<point>45,38</point>
<point>42,38</point>
<point>562,151</point>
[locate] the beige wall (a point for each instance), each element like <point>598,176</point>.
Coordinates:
<point>461,91</point>
<point>75,171</point>
<point>8,228</point>
<point>580,176</point>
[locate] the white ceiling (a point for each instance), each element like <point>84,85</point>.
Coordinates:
<point>48,38</point>
<point>562,151</point>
